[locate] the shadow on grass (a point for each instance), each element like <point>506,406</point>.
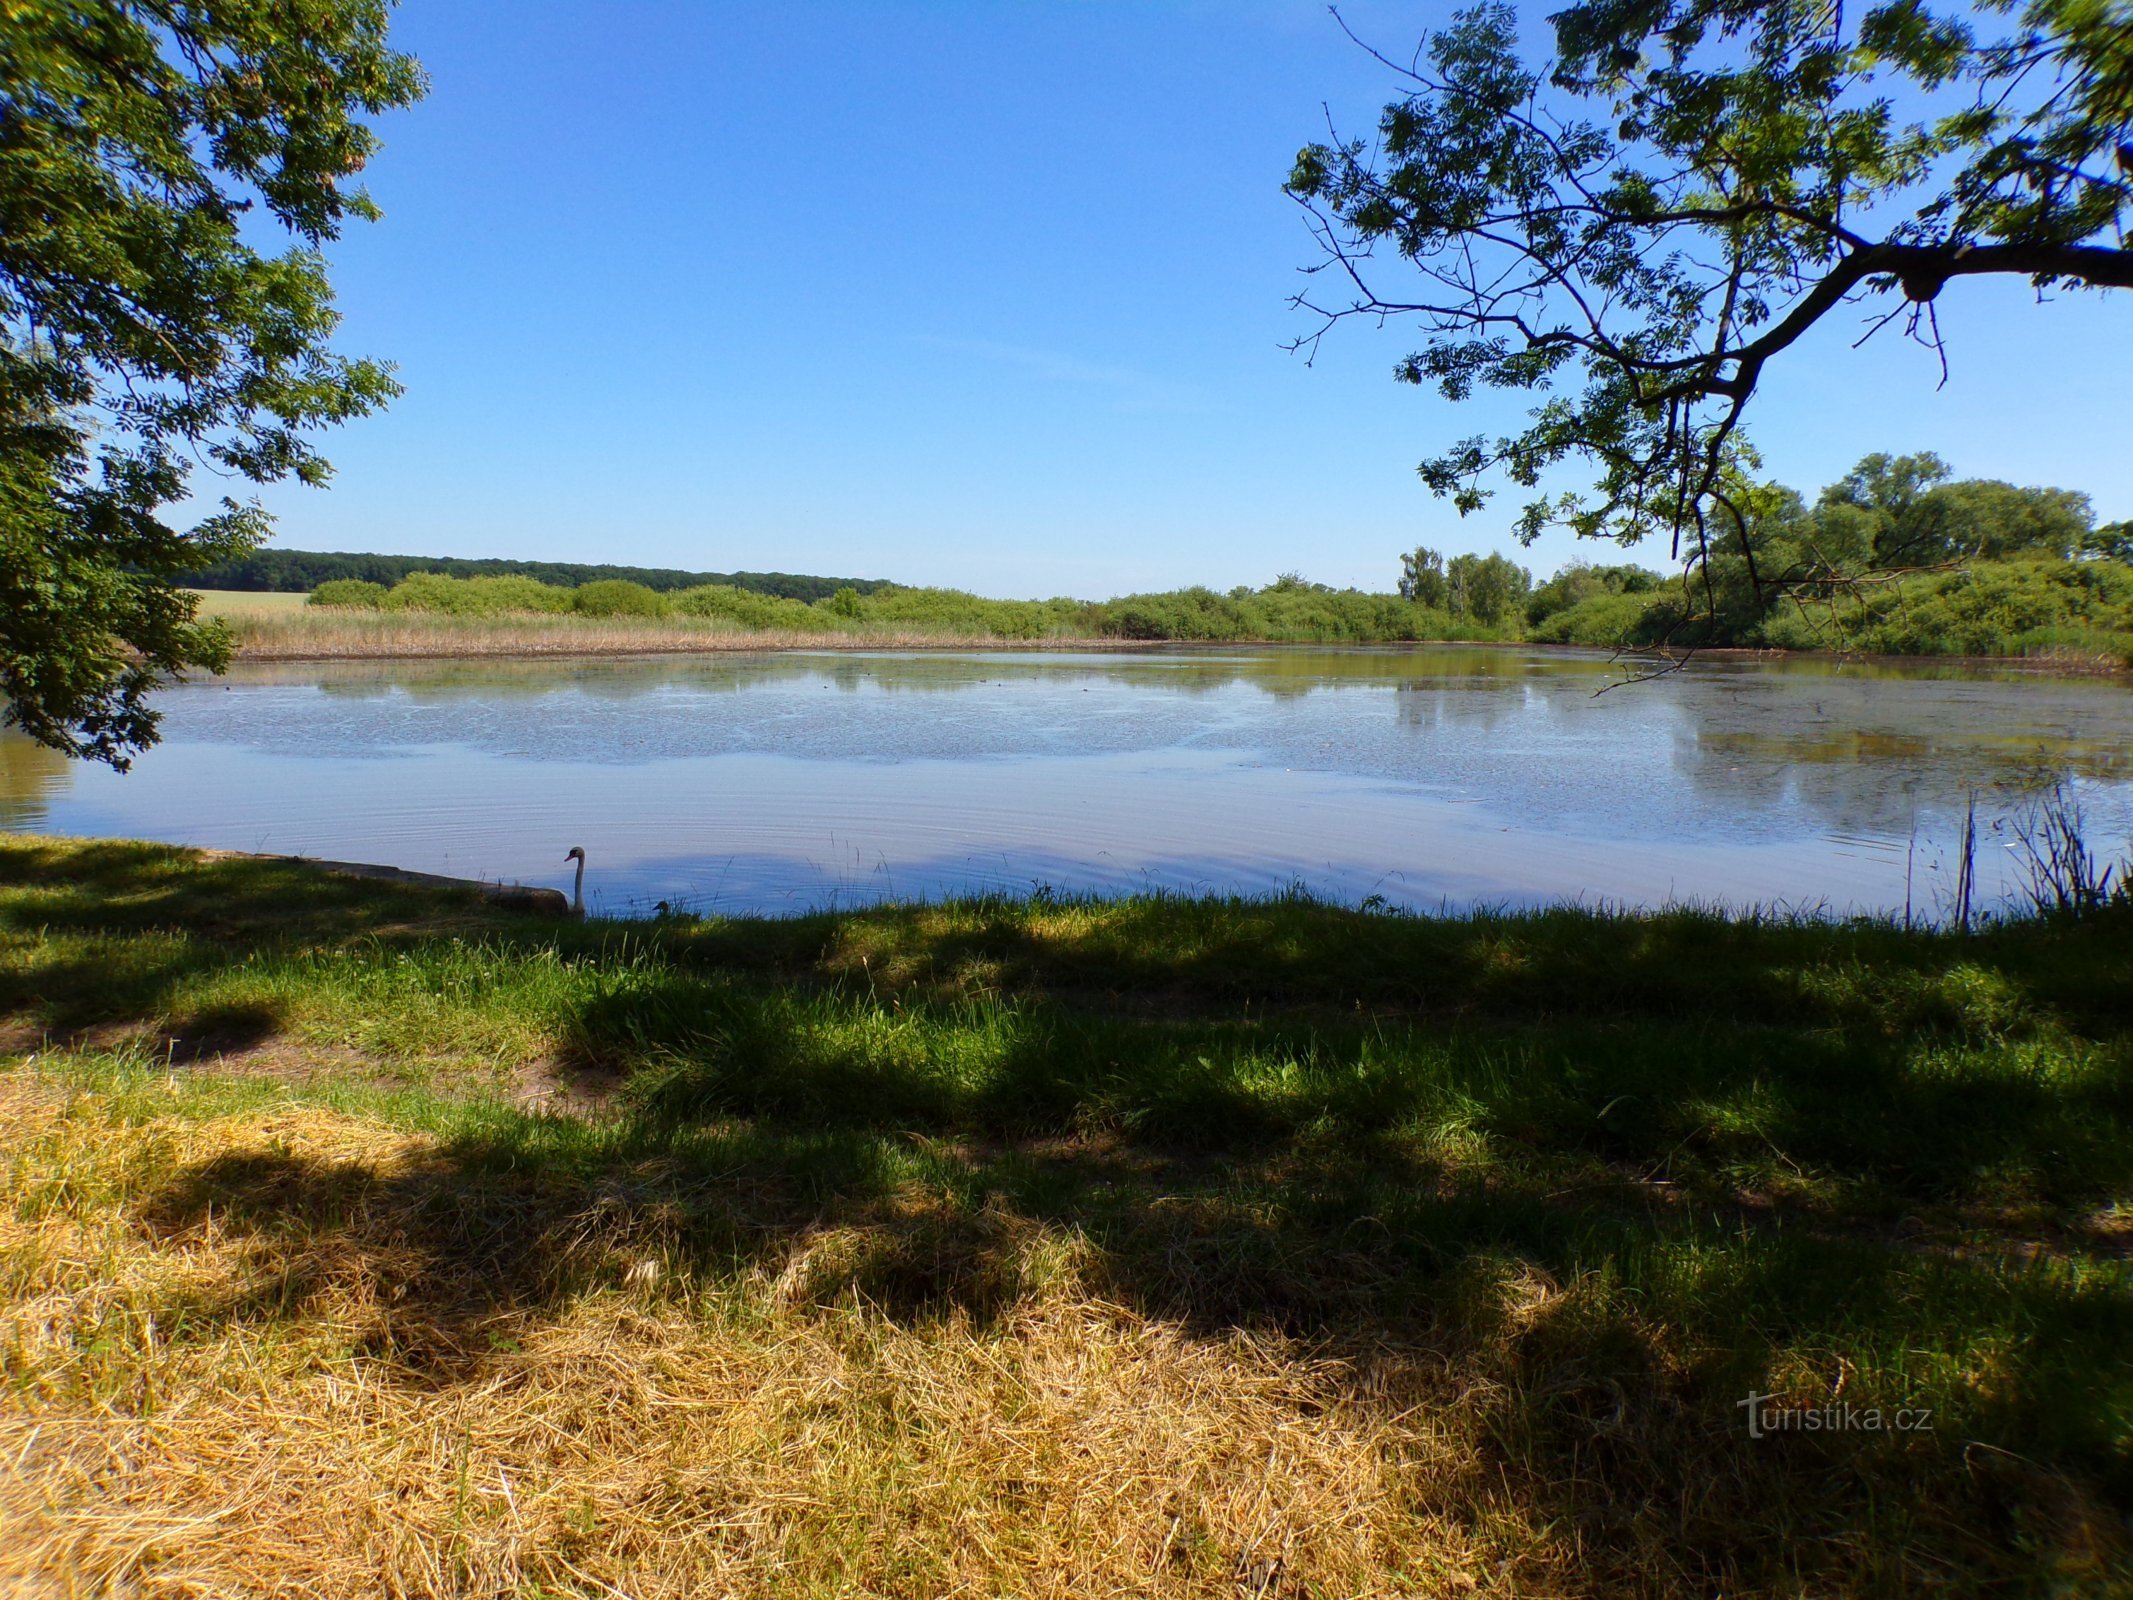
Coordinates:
<point>1598,1178</point>
<point>1602,1350</point>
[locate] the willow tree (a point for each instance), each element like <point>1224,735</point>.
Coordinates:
<point>1635,229</point>
<point>151,156</point>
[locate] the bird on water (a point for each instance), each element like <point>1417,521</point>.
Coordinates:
<point>577,889</point>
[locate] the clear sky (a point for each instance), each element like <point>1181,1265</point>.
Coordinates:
<point>990,294</point>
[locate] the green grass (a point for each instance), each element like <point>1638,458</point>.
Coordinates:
<point>236,603</point>
<point>1559,1188</point>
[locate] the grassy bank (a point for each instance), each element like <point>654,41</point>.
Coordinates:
<point>2075,612</point>
<point>428,613</point>
<point>301,634</point>
<point>2068,613</point>
<point>361,1240</point>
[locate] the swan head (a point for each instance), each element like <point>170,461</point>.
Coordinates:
<point>575,853</point>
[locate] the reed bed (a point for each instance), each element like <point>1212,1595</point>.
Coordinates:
<point>357,1239</point>
<point>332,634</point>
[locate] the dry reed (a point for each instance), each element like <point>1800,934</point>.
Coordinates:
<point>338,635</point>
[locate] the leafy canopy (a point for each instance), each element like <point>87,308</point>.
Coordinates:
<point>148,153</point>
<point>1636,229</point>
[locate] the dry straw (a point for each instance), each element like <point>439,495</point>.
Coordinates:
<point>336,634</point>
<point>171,1428</point>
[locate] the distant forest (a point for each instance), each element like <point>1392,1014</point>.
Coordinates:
<point>301,571</point>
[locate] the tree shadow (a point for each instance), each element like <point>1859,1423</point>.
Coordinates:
<point>1601,1342</point>
<point>1594,1179</point>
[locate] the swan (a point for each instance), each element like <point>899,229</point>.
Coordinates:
<point>577,889</point>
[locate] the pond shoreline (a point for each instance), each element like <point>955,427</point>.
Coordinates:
<point>519,648</point>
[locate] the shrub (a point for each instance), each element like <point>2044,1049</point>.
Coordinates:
<point>1601,619</point>
<point>495,596</point>
<point>955,611</point>
<point>433,591</point>
<point>474,597</point>
<point>617,597</point>
<point>745,608</point>
<point>354,594</point>
<point>2000,608</point>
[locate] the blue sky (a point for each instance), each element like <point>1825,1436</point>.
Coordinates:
<point>985,294</point>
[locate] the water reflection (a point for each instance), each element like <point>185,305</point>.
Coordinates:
<point>29,776</point>
<point>1429,774</point>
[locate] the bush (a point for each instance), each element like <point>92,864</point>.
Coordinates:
<point>508,593</point>
<point>954,611</point>
<point>353,594</point>
<point>433,591</point>
<point>1601,619</point>
<point>2000,608</point>
<point>1195,613</point>
<point>617,597</point>
<point>745,608</point>
<point>474,597</point>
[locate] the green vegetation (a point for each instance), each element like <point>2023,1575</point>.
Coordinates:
<point>1898,558</point>
<point>2000,608</point>
<point>245,603</point>
<point>304,571</point>
<point>1632,227</point>
<point>356,1239</point>
<point>1289,609</point>
<point>151,157</point>
<point>616,597</point>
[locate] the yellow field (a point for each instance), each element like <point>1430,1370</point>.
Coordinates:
<point>246,603</point>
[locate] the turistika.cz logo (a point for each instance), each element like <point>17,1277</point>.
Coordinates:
<point>1766,1416</point>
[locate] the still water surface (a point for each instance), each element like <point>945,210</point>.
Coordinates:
<point>1430,776</point>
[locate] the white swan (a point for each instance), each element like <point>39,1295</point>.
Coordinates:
<point>577,889</point>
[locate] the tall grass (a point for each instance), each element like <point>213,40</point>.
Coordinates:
<point>336,633</point>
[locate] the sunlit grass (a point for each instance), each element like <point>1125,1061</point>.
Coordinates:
<point>299,634</point>
<point>234,603</point>
<point>357,1239</point>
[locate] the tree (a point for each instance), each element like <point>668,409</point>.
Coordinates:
<point>1988,520</point>
<point>1893,512</point>
<point>144,148</point>
<point>1639,228</point>
<point>1486,588</point>
<point>1579,581</point>
<point>1422,578</point>
<point>2111,542</point>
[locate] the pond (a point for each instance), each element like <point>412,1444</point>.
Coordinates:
<point>1426,776</point>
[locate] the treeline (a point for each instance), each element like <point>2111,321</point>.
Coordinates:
<point>1899,557</point>
<point>1290,609</point>
<point>301,571</point>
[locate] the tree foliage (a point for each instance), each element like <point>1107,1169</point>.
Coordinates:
<point>1634,230</point>
<point>146,150</point>
<point>1422,578</point>
<point>301,571</point>
<point>1491,589</point>
<point>1904,511</point>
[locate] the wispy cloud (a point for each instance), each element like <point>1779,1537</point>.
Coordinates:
<point>1129,390</point>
